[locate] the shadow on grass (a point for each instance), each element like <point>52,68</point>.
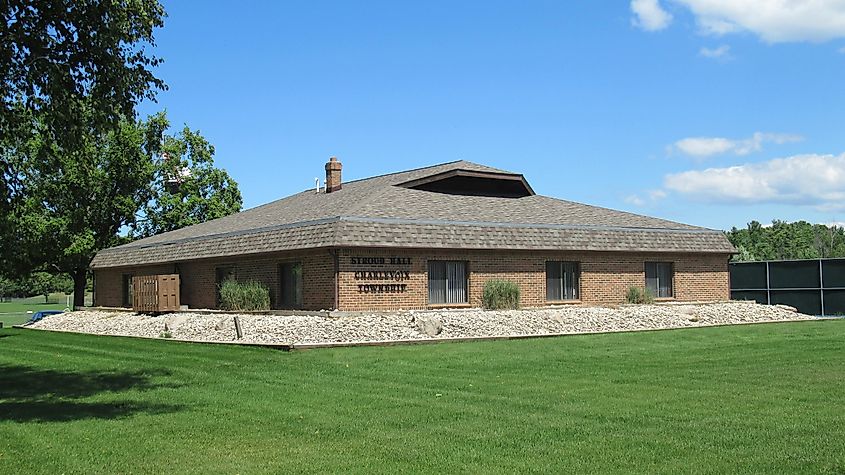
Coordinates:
<point>63,411</point>
<point>29,394</point>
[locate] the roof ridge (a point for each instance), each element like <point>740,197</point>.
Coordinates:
<point>403,171</point>
<point>411,170</point>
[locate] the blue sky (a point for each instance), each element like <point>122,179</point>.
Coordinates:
<point>709,112</point>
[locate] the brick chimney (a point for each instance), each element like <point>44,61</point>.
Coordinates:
<point>333,182</point>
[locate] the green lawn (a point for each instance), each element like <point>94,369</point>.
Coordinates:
<point>763,398</point>
<point>15,312</point>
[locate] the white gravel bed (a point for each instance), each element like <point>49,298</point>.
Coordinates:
<point>411,325</point>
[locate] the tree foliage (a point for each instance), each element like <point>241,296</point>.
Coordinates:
<point>77,169</point>
<point>7,288</point>
<point>783,240</point>
<point>38,283</point>
<point>43,283</point>
<point>188,188</point>
<point>71,72</point>
<point>59,57</point>
<point>79,207</point>
<point>101,189</point>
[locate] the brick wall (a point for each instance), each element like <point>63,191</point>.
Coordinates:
<point>605,276</point>
<point>199,278</point>
<point>108,283</point>
<point>364,283</point>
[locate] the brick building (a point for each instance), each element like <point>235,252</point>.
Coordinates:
<point>425,238</point>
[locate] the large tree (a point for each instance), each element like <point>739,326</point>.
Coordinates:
<point>134,180</point>
<point>70,70</point>
<point>74,210</point>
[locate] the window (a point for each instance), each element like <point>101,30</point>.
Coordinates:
<point>562,280</point>
<point>447,282</point>
<point>658,278</point>
<point>128,291</point>
<point>290,279</point>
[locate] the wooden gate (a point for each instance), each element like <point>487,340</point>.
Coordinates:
<point>155,293</point>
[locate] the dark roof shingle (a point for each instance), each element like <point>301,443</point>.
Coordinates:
<point>375,212</point>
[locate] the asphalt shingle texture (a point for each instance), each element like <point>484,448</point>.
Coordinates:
<point>378,212</point>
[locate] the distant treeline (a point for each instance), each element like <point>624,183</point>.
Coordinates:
<point>37,283</point>
<point>783,240</point>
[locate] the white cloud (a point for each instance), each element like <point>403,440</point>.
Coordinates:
<point>651,197</point>
<point>817,180</point>
<point>720,52</point>
<point>635,200</point>
<point>774,21</point>
<point>649,15</point>
<point>702,147</point>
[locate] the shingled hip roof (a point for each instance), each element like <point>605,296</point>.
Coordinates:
<point>381,212</point>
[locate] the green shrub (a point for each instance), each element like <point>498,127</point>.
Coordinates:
<point>247,296</point>
<point>500,294</point>
<point>639,295</point>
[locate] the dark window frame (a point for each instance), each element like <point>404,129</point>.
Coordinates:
<point>563,272</point>
<point>660,276</point>
<point>450,293</point>
<point>298,293</point>
<point>127,290</point>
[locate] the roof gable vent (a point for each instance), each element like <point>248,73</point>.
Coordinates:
<point>473,183</point>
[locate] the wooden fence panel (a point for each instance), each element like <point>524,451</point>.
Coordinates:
<point>168,293</point>
<point>155,293</point>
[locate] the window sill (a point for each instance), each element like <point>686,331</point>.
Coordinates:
<point>563,302</point>
<point>448,305</point>
<point>664,299</point>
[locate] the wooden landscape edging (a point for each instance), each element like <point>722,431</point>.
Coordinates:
<point>424,341</point>
<point>276,346</point>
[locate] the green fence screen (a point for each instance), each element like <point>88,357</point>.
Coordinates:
<point>813,286</point>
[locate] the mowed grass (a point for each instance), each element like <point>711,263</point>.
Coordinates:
<point>14,312</point>
<point>761,398</point>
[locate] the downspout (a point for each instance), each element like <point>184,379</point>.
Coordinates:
<point>94,288</point>
<point>178,271</point>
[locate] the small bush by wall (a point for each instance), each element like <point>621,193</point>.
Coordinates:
<point>500,294</point>
<point>639,295</point>
<point>248,296</point>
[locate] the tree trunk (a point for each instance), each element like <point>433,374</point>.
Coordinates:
<point>79,282</point>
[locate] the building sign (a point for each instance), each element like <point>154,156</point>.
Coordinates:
<point>382,288</point>
<point>377,280</point>
<point>396,275</point>
<point>370,261</point>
